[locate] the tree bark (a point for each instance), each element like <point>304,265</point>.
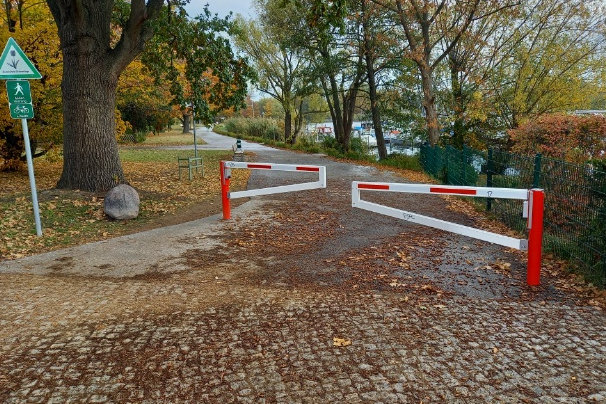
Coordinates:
<point>90,151</point>
<point>298,120</point>
<point>288,124</point>
<point>186,123</point>
<point>459,127</point>
<point>429,104</point>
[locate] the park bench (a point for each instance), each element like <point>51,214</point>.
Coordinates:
<point>190,163</point>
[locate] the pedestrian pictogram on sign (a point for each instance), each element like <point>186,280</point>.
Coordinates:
<point>19,99</point>
<point>14,64</point>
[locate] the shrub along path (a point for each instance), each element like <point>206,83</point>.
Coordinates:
<point>299,298</point>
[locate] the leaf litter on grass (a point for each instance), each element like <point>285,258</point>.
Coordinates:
<point>75,217</point>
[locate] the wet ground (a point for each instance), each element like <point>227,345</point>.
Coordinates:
<point>298,298</point>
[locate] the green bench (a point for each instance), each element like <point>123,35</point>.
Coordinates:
<point>190,163</point>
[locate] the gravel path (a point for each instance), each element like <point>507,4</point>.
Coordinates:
<point>298,298</point>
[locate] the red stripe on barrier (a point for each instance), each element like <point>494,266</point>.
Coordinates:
<point>372,186</point>
<point>308,168</point>
<point>265,166</point>
<point>438,190</point>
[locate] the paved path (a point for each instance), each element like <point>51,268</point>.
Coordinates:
<point>252,310</point>
<point>214,141</point>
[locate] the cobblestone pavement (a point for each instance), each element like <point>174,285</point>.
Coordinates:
<point>303,300</point>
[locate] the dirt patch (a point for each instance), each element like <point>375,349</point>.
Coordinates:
<point>61,264</point>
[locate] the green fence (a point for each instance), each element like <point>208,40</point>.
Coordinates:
<point>575,198</point>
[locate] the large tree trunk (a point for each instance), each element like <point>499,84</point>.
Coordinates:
<point>91,161</point>
<point>374,107</point>
<point>92,63</point>
<point>459,127</point>
<point>372,83</point>
<point>337,121</point>
<point>288,125</point>
<point>298,120</point>
<point>186,123</point>
<point>429,104</point>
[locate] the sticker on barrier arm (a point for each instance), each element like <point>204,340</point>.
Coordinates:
<point>226,167</point>
<point>532,208</point>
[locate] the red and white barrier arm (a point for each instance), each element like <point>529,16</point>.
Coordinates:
<point>485,192</point>
<point>226,167</point>
<point>533,209</point>
<point>357,202</point>
<point>321,183</point>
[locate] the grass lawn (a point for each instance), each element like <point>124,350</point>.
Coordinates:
<point>74,217</point>
<point>173,137</point>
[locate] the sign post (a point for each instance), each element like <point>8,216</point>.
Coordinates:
<point>15,67</point>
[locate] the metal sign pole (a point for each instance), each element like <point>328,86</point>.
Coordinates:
<point>193,117</point>
<point>32,179</point>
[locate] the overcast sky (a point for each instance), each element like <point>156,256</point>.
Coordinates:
<point>222,7</point>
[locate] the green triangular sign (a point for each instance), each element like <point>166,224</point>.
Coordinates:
<point>15,65</point>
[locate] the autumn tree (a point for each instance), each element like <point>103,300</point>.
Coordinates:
<point>534,57</point>
<point>282,71</point>
<point>425,25</point>
<point>335,54</point>
<point>92,64</point>
<point>31,25</point>
<point>565,137</point>
<point>197,59</point>
<point>380,55</point>
<point>471,61</point>
<point>142,102</point>
<point>553,59</point>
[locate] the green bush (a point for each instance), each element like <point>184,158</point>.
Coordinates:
<point>262,128</point>
<point>403,161</point>
<point>330,143</point>
<point>507,181</point>
<point>306,144</point>
<point>356,146</point>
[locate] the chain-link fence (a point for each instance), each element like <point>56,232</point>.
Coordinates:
<point>575,198</point>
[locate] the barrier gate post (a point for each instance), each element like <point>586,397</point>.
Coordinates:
<point>536,202</point>
<point>225,176</point>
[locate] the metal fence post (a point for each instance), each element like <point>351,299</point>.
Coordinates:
<point>536,181</point>
<point>489,172</point>
<point>464,163</point>
<point>446,178</point>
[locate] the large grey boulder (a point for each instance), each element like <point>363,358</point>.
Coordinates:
<point>122,202</point>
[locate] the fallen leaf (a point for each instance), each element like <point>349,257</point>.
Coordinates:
<point>341,341</point>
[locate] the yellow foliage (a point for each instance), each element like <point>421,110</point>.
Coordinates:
<point>137,86</point>
<point>121,125</point>
<point>39,40</point>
